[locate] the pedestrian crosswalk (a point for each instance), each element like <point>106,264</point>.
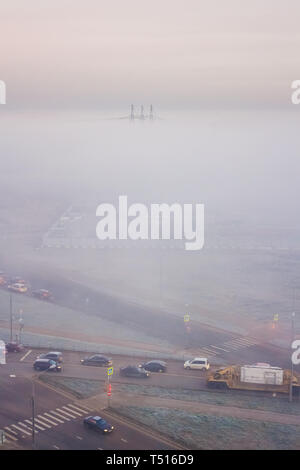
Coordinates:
<point>241,342</point>
<point>45,421</point>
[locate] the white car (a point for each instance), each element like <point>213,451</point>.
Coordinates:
<point>200,363</point>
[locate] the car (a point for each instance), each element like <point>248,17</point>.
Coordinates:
<point>14,347</point>
<point>200,363</point>
<point>3,278</point>
<point>42,294</point>
<point>154,366</point>
<point>47,364</point>
<point>134,371</point>
<point>98,424</point>
<point>97,360</point>
<point>18,287</point>
<point>55,355</point>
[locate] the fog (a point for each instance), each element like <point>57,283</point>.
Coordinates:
<point>243,165</point>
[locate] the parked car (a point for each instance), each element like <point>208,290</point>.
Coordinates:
<point>97,360</point>
<point>14,347</point>
<point>18,287</point>
<point>55,355</point>
<point>42,294</point>
<point>154,366</point>
<point>134,371</point>
<point>47,364</point>
<point>98,424</point>
<point>200,363</point>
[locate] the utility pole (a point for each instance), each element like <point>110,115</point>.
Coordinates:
<point>11,317</point>
<point>292,366</point>
<point>33,413</point>
<point>132,112</point>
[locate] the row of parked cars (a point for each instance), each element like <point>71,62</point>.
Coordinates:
<point>19,285</point>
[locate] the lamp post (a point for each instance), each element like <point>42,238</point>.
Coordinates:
<point>292,364</point>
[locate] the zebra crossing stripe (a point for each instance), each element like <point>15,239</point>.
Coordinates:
<point>65,413</point>
<point>43,424</point>
<point>72,411</point>
<point>21,430</point>
<point>217,347</point>
<point>53,417</point>
<point>61,416</point>
<point>209,351</point>
<point>48,420</point>
<point>80,409</point>
<point>35,425</point>
<point>11,430</point>
<point>10,436</point>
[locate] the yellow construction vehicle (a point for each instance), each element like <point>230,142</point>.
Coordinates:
<point>259,377</point>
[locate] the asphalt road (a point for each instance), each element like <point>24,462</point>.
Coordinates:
<point>58,420</point>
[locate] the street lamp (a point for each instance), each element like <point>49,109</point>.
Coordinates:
<point>292,365</point>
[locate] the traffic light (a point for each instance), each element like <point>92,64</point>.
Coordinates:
<point>109,390</point>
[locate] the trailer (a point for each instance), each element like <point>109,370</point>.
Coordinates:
<point>257,377</point>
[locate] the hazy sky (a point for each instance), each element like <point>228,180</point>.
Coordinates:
<point>169,52</point>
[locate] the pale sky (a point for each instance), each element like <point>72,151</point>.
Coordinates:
<point>93,53</point>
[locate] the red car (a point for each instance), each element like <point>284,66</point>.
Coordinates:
<point>42,294</point>
<point>14,347</point>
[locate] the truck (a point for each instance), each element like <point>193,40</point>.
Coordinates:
<point>2,352</point>
<point>257,377</point>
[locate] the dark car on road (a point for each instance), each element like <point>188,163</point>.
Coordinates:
<point>14,347</point>
<point>134,371</point>
<point>98,424</point>
<point>54,355</point>
<point>42,294</point>
<point>47,364</point>
<point>97,360</point>
<point>154,366</point>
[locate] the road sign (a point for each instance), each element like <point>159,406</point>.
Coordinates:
<point>276,317</point>
<point>110,371</point>
<point>186,318</point>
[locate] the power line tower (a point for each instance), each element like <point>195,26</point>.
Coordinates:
<point>151,112</point>
<point>142,116</point>
<point>132,112</point>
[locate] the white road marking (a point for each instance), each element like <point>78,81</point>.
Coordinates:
<point>56,447</point>
<point>21,430</point>
<point>57,419</point>
<point>124,440</point>
<point>99,448</point>
<point>43,424</point>
<point>10,436</point>
<point>217,347</point>
<point>65,413</point>
<point>48,420</point>
<point>35,425</point>
<point>27,354</point>
<point>11,430</point>
<point>72,411</point>
<point>79,437</point>
<point>79,409</point>
<point>84,406</point>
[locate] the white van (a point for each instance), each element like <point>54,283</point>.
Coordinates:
<point>200,363</point>
<point>2,352</point>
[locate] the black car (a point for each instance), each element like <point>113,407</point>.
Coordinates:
<point>54,355</point>
<point>14,347</point>
<point>98,424</point>
<point>134,371</point>
<point>47,364</point>
<point>97,360</point>
<point>155,366</point>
